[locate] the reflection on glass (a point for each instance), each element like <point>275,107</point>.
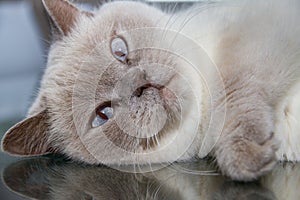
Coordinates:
<point>47,178</point>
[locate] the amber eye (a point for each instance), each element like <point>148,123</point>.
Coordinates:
<point>119,49</point>
<point>103,114</point>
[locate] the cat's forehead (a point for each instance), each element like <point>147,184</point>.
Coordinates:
<point>112,19</point>
<point>128,15</point>
<point>91,38</point>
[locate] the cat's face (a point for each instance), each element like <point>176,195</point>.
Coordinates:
<point>114,91</point>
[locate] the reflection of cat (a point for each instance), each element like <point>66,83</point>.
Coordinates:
<point>120,87</point>
<point>56,179</point>
<point>53,179</point>
<point>44,178</point>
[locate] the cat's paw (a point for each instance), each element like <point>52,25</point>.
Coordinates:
<point>246,160</point>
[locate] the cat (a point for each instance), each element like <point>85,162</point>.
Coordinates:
<point>44,178</point>
<point>130,84</point>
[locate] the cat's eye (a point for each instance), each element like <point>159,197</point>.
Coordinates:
<point>103,114</point>
<point>119,49</point>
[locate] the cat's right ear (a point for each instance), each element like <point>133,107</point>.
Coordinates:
<point>63,15</point>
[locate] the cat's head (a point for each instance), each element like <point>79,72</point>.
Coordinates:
<point>119,88</point>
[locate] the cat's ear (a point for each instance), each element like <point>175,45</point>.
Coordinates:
<point>63,15</point>
<point>28,137</point>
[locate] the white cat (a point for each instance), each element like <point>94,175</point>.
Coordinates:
<point>131,84</point>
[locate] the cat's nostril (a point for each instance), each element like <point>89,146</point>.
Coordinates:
<point>138,92</point>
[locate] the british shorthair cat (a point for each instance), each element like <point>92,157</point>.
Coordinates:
<point>132,84</point>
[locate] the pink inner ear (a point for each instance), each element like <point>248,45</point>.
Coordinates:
<point>28,137</point>
<point>63,14</point>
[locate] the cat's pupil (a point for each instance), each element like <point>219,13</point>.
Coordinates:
<point>102,115</point>
<point>120,53</point>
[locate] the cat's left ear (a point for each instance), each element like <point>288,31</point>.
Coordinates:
<point>28,137</point>
<point>63,14</point>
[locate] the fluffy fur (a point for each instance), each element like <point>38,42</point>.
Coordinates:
<point>229,72</point>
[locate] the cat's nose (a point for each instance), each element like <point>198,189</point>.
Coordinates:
<point>133,79</point>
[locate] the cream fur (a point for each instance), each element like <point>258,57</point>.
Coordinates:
<point>232,68</point>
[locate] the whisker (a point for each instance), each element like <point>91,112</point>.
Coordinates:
<point>157,142</point>
<point>168,21</point>
<point>194,172</point>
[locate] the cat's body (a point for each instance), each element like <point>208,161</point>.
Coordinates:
<point>256,48</point>
<point>216,78</point>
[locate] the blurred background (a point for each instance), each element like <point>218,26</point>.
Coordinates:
<point>21,59</point>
